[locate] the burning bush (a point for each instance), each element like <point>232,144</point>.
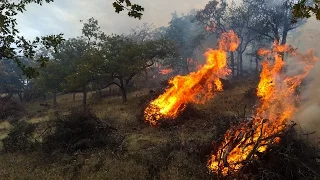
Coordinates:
<point>189,112</point>
<point>81,130</point>
<point>292,158</point>
<point>196,87</point>
<point>9,107</point>
<point>249,141</point>
<point>19,138</point>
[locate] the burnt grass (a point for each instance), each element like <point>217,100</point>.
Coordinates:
<point>109,147</point>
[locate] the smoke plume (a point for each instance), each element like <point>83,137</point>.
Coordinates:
<point>308,115</point>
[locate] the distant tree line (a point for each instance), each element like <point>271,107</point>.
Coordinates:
<point>95,60</point>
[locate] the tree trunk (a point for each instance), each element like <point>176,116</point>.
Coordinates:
<point>124,94</point>
<point>187,71</point>
<point>283,42</point>
<point>74,97</point>
<point>20,97</point>
<point>123,90</point>
<point>238,66</point>
<point>84,100</point>
<point>232,65</point>
<point>240,63</point>
<point>257,65</point>
<point>54,99</point>
<point>146,75</point>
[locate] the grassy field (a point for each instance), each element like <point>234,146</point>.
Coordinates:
<point>177,152</point>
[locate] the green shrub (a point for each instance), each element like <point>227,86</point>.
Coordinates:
<point>9,107</point>
<point>19,138</point>
<point>81,130</point>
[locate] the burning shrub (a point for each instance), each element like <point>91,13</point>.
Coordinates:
<point>19,138</point>
<point>144,101</point>
<point>196,87</point>
<point>293,158</point>
<point>189,112</point>
<point>9,107</point>
<point>248,141</point>
<point>81,130</point>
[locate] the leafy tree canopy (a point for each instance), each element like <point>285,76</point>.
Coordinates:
<point>305,9</point>
<point>13,46</point>
<point>134,10</point>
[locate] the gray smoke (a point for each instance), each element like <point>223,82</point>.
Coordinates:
<point>308,115</point>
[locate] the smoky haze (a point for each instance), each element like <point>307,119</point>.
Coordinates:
<point>63,16</point>
<point>308,38</point>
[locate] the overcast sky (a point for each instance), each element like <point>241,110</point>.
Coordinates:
<point>64,15</point>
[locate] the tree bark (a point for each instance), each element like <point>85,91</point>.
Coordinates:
<point>124,94</point>
<point>186,69</point>
<point>84,100</point>
<point>232,64</point>
<point>283,42</point>
<point>54,99</point>
<point>20,97</point>
<point>74,97</point>
<point>123,90</point>
<point>240,63</point>
<point>257,65</point>
<point>238,66</point>
<point>146,75</point>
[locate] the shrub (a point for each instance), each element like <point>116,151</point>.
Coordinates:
<point>19,138</point>
<point>9,107</point>
<point>81,130</point>
<point>293,158</point>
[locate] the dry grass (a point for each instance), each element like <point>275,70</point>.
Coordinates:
<point>178,152</point>
<point>102,165</point>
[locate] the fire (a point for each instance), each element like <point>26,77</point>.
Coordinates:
<point>165,71</point>
<point>197,87</point>
<point>276,90</point>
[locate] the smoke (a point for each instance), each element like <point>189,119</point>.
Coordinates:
<point>307,38</point>
<point>209,42</point>
<point>308,115</point>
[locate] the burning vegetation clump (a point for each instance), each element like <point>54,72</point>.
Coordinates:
<point>246,142</point>
<point>197,87</point>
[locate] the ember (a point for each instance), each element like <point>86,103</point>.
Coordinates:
<point>197,87</point>
<point>165,71</point>
<point>245,142</point>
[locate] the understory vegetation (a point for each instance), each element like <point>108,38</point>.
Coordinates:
<point>225,91</point>
<point>110,140</point>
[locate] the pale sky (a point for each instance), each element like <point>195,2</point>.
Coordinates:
<point>64,15</point>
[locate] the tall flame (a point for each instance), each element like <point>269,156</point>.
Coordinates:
<point>277,98</point>
<point>197,87</point>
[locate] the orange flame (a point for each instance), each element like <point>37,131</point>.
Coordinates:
<point>197,87</point>
<point>277,93</point>
<point>165,71</point>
